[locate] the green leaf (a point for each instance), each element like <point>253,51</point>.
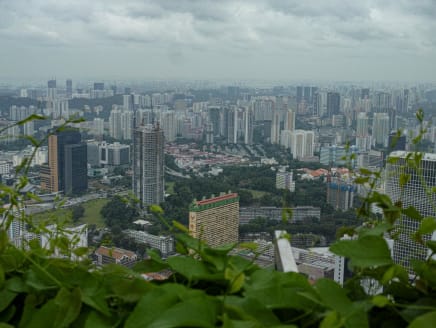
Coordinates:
<point>236,279</point>
<point>152,305</point>
<point>80,251</point>
<point>69,305</point>
<point>250,310</point>
<point>195,312</point>
<point>427,320</point>
<point>333,295</point>
<point>332,320</point>
<point>412,213</point>
<point>395,271</point>
<point>380,301</point>
<point>369,251</point>
<point>428,225</point>
<point>190,268</point>
<point>180,226</point>
<point>96,320</point>
<point>39,318</point>
<point>6,298</point>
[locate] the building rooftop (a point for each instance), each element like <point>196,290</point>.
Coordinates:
<point>114,252</point>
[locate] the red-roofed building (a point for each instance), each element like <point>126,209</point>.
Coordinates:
<point>215,220</point>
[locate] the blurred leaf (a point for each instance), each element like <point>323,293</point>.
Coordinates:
<point>69,305</point>
<point>369,251</point>
<point>427,320</point>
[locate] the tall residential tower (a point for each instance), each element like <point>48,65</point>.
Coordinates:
<point>148,164</point>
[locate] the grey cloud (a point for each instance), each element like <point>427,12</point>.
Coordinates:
<point>186,32</point>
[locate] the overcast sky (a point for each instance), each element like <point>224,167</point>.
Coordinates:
<point>190,39</point>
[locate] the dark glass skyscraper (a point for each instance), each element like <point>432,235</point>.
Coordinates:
<point>66,169</point>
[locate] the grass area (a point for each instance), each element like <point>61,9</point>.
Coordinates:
<point>257,193</point>
<point>169,187</point>
<point>92,212</point>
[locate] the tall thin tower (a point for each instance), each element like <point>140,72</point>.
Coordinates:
<point>148,164</point>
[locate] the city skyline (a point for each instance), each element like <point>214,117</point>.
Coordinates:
<point>270,40</point>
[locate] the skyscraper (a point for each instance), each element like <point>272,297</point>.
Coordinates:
<point>69,89</point>
<point>362,133</point>
<point>148,164</point>
<point>67,163</point>
<point>215,220</point>
<point>380,129</point>
<point>51,90</point>
<point>413,193</point>
<point>333,103</point>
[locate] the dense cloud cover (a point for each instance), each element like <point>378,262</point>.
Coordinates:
<point>275,39</point>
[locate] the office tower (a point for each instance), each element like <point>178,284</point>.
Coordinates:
<point>127,125</point>
<point>215,220</point>
<point>275,127</point>
<point>364,94</point>
<point>290,120</point>
<point>232,120</point>
<point>97,127</point>
<point>115,127</point>
<point>51,90</point>
<point>320,104</point>
<point>60,109</point>
<point>128,102</point>
<point>209,133</point>
<point>114,154</point>
<point>214,119</point>
<point>362,133</point>
<point>148,164</point>
<point>167,121</point>
<point>333,103</point>
<point>382,102</point>
<point>380,129</point>
<point>340,193</point>
<point>302,143</point>
<point>248,118</point>
<point>396,142</point>
<point>69,89</point>
<point>98,86</point>
<point>412,193</point>
<point>300,93</point>
<point>67,163</point>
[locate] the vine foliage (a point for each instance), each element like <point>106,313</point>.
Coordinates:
<point>210,287</point>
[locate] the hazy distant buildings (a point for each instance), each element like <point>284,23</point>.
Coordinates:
<point>215,220</point>
<point>148,164</point>
<point>363,139</point>
<point>380,129</point>
<point>333,103</point>
<point>69,89</point>
<point>51,90</point>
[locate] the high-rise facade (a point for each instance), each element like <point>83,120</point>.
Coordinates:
<point>413,193</point>
<point>362,133</point>
<point>69,89</point>
<point>380,129</point>
<point>148,164</point>
<point>215,220</point>
<point>333,103</point>
<point>66,169</point>
<point>302,143</point>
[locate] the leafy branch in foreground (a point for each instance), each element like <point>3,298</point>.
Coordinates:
<point>210,287</point>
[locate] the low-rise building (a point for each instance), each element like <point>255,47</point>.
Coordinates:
<point>108,255</point>
<point>164,244</point>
